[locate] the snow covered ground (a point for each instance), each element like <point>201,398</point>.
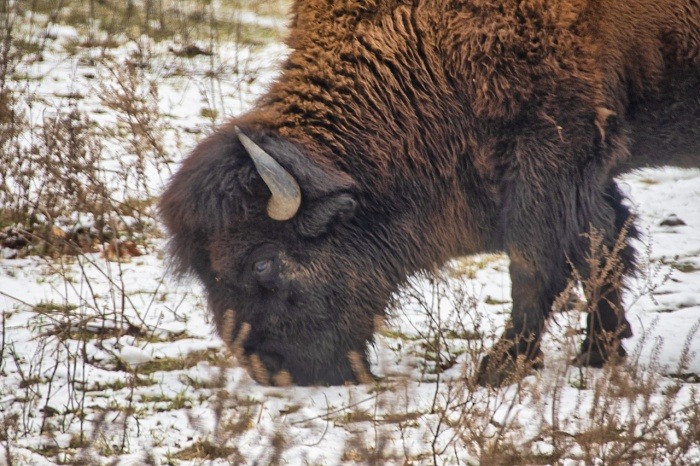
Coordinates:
<point>107,361</point>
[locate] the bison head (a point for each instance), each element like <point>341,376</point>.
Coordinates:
<point>274,238</point>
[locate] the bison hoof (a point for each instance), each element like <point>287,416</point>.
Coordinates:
<point>502,368</point>
<point>595,353</point>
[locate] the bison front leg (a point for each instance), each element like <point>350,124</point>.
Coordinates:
<point>533,291</point>
<point>544,236</point>
<point>537,237</point>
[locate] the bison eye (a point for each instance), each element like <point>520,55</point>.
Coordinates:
<point>263,267</point>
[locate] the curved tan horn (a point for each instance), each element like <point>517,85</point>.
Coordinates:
<point>286,195</point>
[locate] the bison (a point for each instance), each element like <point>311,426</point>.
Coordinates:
<point>401,134</point>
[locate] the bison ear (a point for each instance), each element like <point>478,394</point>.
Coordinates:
<point>323,214</point>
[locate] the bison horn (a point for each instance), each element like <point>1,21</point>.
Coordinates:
<point>286,195</point>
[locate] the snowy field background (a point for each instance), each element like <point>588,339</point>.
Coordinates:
<point>107,360</point>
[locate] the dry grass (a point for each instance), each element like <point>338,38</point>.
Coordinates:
<point>59,165</point>
<point>426,409</point>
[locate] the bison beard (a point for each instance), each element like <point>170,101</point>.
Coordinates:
<point>418,132</point>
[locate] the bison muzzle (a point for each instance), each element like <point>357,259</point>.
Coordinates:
<point>401,134</point>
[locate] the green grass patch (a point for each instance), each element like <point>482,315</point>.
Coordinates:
<point>209,113</point>
<point>120,384</point>
<point>649,181</point>
<point>32,380</point>
<point>468,266</point>
<point>51,307</point>
<point>204,450</point>
<point>494,301</point>
<point>685,267</point>
<point>165,20</point>
<point>212,356</point>
<point>168,403</point>
<point>398,335</point>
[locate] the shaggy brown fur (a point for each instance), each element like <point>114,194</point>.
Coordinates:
<point>427,129</point>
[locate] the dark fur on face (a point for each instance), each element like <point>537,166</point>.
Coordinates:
<point>419,131</point>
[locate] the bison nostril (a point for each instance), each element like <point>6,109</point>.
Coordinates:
<point>262,267</point>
